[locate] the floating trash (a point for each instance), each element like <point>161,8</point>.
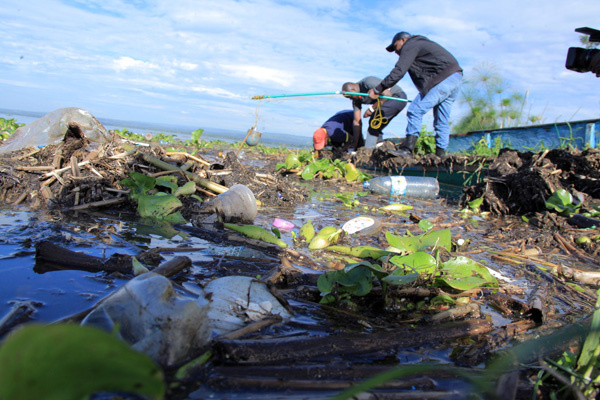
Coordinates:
<point>362,226</point>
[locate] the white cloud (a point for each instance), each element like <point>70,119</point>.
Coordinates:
<point>127,63</point>
<point>256,73</point>
<point>211,57</point>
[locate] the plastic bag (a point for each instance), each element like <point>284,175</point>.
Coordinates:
<point>52,127</point>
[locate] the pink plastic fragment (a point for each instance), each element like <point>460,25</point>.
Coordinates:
<point>283,225</point>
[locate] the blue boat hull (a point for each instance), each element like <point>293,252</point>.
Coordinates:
<point>535,138</point>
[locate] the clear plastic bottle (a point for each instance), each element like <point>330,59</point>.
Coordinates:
<point>410,186</point>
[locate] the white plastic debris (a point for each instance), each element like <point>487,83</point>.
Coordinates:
<point>51,129</point>
<point>361,226</point>
<point>237,300</point>
<point>154,319</point>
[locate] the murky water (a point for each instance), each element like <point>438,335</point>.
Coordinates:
<point>61,293</point>
<point>58,294</point>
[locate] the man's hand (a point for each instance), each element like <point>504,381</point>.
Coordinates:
<point>373,95</point>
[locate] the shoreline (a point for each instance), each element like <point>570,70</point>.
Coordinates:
<point>181,132</point>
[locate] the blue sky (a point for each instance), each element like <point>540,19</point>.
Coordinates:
<point>198,63</point>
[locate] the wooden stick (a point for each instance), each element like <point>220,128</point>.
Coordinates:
<point>570,248</point>
<point>503,256</point>
<point>250,328</point>
<point>101,203</point>
<point>77,192</point>
<point>200,181</point>
<point>28,154</point>
<point>57,160</point>
<point>74,167</point>
<point>35,168</point>
<point>538,307</point>
<point>123,155</point>
<point>588,277</point>
<point>94,171</point>
<point>246,138</point>
<point>281,351</point>
<point>61,170</point>
<point>191,157</point>
<point>173,266</point>
<point>457,312</point>
<point>20,199</point>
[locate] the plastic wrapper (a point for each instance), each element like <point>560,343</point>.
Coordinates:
<point>51,129</point>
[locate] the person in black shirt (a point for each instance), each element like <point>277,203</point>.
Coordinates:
<point>436,74</point>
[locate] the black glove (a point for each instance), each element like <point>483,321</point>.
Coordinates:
<point>595,64</point>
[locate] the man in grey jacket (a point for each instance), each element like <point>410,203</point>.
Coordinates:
<point>380,113</point>
<point>437,76</point>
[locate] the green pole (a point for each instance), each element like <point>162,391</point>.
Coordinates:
<point>325,94</point>
<point>275,96</point>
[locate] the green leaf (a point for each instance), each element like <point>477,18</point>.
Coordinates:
<point>187,189</point>
<point>309,172</point>
<point>168,182</point>
<point>475,205</point>
<point>318,242</point>
<point>360,251</point>
<point>158,206</point>
<point>396,207</point>
<point>292,161</point>
<point>420,262</point>
<point>175,218</point>
<point>352,172</point>
<point>463,283</point>
<point>139,184</point>
<point>439,238</point>
<point>373,268</point>
<point>256,232</point>
<point>462,273</point>
<point>588,357</point>
<point>442,299</point>
<point>561,201</point>
<point>326,282</point>
<point>66,361</point>
<point>327,299</point>
<point>330,233</point>
<point>355,281</point>
<point>152,226</point>
<point>196,135</point>
<point>425,225</point>
<point>307,231</point>
<point>138,267</point>
<point>401,279</point>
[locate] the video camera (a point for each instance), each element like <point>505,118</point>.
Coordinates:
<point>585,60</point>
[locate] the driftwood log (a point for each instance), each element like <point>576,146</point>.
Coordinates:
<point>349,345</point>
<point>50,257</point>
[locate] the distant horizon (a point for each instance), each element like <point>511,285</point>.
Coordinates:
<point>211,132</point>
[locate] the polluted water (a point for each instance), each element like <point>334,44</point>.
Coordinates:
<point>52,295</point>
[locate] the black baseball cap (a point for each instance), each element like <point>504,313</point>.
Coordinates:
<point>397,37</point>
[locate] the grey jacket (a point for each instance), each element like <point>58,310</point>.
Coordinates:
<point>426,62</point>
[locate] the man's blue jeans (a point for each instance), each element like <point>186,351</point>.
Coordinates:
<point>440,99</point>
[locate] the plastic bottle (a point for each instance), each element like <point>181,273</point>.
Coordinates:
<point>411,186</point>
<point>237,204</point>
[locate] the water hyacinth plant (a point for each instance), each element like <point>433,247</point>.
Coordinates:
<point>408,260</point>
